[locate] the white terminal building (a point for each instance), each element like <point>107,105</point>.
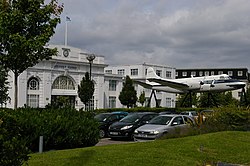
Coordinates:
<point>43,83</point>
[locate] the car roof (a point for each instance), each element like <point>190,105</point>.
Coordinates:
<point>119,112</point>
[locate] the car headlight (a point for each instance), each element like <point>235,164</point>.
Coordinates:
<point>136,131</point>
<point>126,127</point>
<point>154,132</point>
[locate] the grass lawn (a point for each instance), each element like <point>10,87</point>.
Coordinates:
<point>229,147</point>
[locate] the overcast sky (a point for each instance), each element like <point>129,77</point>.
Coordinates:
<point>176,33</point>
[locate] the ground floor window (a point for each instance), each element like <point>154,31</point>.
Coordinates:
<point>91,104</point>
<point>33,101</point>
<point>112,101</point>
<point>168,102</point>
<point>60,101</point>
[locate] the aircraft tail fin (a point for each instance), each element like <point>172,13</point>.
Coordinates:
<point>151,73</point>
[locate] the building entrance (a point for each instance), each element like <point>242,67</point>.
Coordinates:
<point>63,101</point>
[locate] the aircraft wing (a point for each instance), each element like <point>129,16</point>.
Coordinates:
<point>169,83</point>
<point>143,84</point>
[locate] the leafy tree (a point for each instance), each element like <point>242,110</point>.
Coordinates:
<point>3,86</point>
<point>128,94</point>
<point>25,28</point>
<point>142,98</point>
<point>86,89</point>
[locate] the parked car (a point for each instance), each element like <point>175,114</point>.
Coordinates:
<point>167,112</point>
<point>193,114</point>
<point>106,119</point>
<point>162,125</point>
<point>126,126</point>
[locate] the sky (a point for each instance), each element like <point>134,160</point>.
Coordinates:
<point>175,33</point>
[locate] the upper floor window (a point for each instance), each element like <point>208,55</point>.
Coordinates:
<point>184,73</point>
<point>240,73</point>
<point>33,84</point>
<point>158,72</point>
<point>63,82</point>
<point>206,73</point>
<point>193,73</point>
<point>220,72</point>
<point>201,73</point>
<point>112,85</point>
<point>212,73</point>
<point>230,73</point>
<point>134,72</point>
<point>108,71</point>
<point>176,74</point>
<point>168,74</point>
<point>121,72</point>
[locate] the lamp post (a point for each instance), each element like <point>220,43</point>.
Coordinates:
<point>90,58</point>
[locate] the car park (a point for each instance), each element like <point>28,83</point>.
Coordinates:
<point>126,126</point>
<point>163,125</point>
<point>106,119</point>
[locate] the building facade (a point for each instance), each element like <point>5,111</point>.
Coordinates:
<point>44,83</point>
<point>139,72</point>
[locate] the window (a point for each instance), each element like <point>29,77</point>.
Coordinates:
<point>239,94</point>
<point>212,73</point>
<point>112,85</point>
<point>158,72</point>
<point>230,73</point>
<point>33,101</point>
<point>33,84</point>
<point>108,71</point>
<point>206,73</point>
<point>184,73</point>
<point>90,105</point>
<point>240,73</point>
<point>63,82</point>
<point>201,73</point>
<point>121,72</point>
<point>193,73</point>
<point>168,102</point>
<point>134,72</point>
<point>176,74</point>
<point>112,101</point>
<point>220,72</point>
<point>168,74</point>
<point>146,70</point>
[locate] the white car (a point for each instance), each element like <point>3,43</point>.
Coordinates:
<point>162,125</point>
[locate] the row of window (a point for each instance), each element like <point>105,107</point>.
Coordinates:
<point>207,73</point>
<point>135,72</point>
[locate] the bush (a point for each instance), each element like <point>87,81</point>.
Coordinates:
<point>227,119</point>
<point>61,128</point>
<point>13,149</point>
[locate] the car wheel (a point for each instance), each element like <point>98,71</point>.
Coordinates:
<point>102,133</point>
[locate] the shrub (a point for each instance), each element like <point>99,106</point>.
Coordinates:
<point>13,149</point>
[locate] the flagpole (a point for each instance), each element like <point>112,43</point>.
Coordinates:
<point>66,32</point>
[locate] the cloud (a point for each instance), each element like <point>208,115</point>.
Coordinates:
<point>194,33</point>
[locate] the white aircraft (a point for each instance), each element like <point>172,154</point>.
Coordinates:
<point>216,83</point>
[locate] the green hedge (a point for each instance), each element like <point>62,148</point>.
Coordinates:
<point>61,128</point>
<point>227,118</point>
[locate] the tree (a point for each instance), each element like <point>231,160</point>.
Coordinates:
<point>86,89</point>
<point>142,98</point>
<point>3,86</point>
<point>128,94</point>
<point>25,28</point>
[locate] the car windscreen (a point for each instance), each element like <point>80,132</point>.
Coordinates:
<point>132,118</point>
<point>161,120</point>
<point>101,117</point>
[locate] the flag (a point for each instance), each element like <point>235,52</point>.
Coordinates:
<point>68,19</point>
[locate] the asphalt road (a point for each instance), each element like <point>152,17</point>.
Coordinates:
<point>108,141</point>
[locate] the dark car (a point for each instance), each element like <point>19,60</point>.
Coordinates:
<point>126,126</point>
<point>106,119</point>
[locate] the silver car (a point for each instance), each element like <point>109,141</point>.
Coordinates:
<point>162,125</point>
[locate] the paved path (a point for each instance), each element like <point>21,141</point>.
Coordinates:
<point>108,141</point>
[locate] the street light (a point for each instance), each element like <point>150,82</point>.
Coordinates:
<point>90,58</point>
